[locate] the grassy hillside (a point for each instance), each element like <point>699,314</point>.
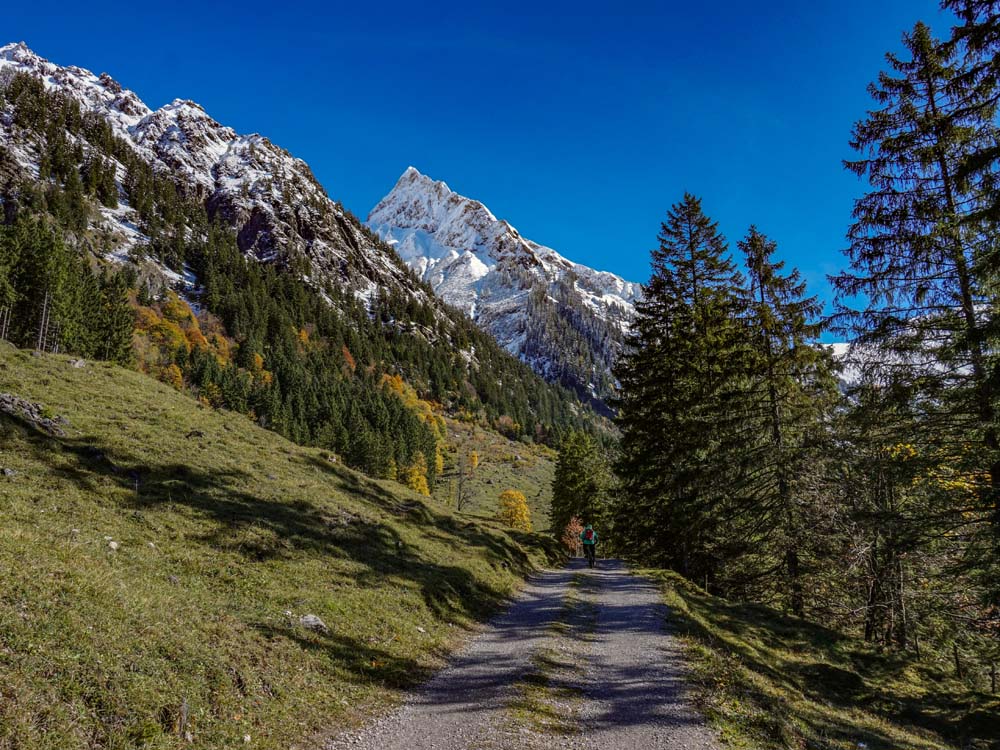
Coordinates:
<point>157,559</point>
<point>770,681</point>
<point>503,464</point>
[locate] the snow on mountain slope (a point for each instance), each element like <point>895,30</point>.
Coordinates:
<point>528,296</point>
<point>100,94</point>
<point>457,242</point>
<point>271,198</point>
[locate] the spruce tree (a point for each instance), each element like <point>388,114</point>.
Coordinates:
<point>676,382</point>
<point>918,246</point>
<point>580,484</point>
<point>791,392</point>
<point>116,320</point>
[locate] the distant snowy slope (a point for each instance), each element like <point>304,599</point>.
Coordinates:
<point>271,199</point>
<point>565,319</point>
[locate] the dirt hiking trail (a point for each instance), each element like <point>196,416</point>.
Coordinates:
<point>581,659</point>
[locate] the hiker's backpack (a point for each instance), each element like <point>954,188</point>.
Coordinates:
<point>589,535</point>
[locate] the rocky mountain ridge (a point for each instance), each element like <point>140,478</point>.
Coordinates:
<point>566,320</point>
<point>272,200</point>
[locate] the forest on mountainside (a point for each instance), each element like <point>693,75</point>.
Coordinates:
<point>304,357</point>
<point>752,465</point>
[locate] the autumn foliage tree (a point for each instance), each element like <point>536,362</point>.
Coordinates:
<point>414,476</point>
<point>514,510</point>
<point>571,535</point>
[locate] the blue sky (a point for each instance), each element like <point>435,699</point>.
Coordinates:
<point>580,123</point>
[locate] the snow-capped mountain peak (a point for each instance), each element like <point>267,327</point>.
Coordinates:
<point>420,203</point>
<point>518,290</point>
<point>96,93</point>
<point>432,226</point>
<point>244,180</point>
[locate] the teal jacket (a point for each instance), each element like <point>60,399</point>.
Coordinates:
<point>592,540</point>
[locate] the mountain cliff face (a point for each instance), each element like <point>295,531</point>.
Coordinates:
<point>566,320</point>
<point>273,201</point>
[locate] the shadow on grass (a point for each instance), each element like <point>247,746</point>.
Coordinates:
<point>832,672</point>
<point>357,661</point>
<point>261,529</point>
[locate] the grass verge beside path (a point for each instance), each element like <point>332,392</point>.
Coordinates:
<point>767,681</point>
<point>157,560</point>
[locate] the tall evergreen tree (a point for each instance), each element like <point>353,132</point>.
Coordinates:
<point>923,257</point>
<point>791,392</point>
<point>676,384</point>
<point>116,320</point>
<point>917,249</point>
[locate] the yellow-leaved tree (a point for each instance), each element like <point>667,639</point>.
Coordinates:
<point>414,476</point>
<point>514,510</point>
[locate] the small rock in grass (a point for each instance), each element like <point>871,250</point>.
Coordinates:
<point>151,545</point>
<point>246,739</point>
<point>420,629</point>
<point>174,580</point>
<point>113,545</point>
<point>312,622</point>
<point>79,364</point>
<point>9,473</point>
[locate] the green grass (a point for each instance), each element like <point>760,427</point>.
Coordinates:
<point>771,681</point>
<point>227,535</point>
<point>503,464</point>
<point>548,696</point>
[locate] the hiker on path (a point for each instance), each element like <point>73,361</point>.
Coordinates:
<point>589,539</point>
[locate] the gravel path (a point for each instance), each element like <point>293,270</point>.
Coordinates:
<point>580,660</point>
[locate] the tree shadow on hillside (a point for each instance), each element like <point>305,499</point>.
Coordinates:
<point>357,661</point>
<point>828,669</point>
<point>442,527</point>
<point>260,529</point>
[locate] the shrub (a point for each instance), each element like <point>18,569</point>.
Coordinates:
<point>571,535</point>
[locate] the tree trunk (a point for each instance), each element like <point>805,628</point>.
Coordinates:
<point>795,581</point>
<point>874,593</point>
<point>983,386</point>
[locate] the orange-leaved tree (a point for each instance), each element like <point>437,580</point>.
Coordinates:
<point>571,535</point>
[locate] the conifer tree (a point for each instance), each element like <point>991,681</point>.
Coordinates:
<point>676,384</point>
<point>580,484</point>
<point>116,321</point>
<point>791,392</point>
<point>919,244</point>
